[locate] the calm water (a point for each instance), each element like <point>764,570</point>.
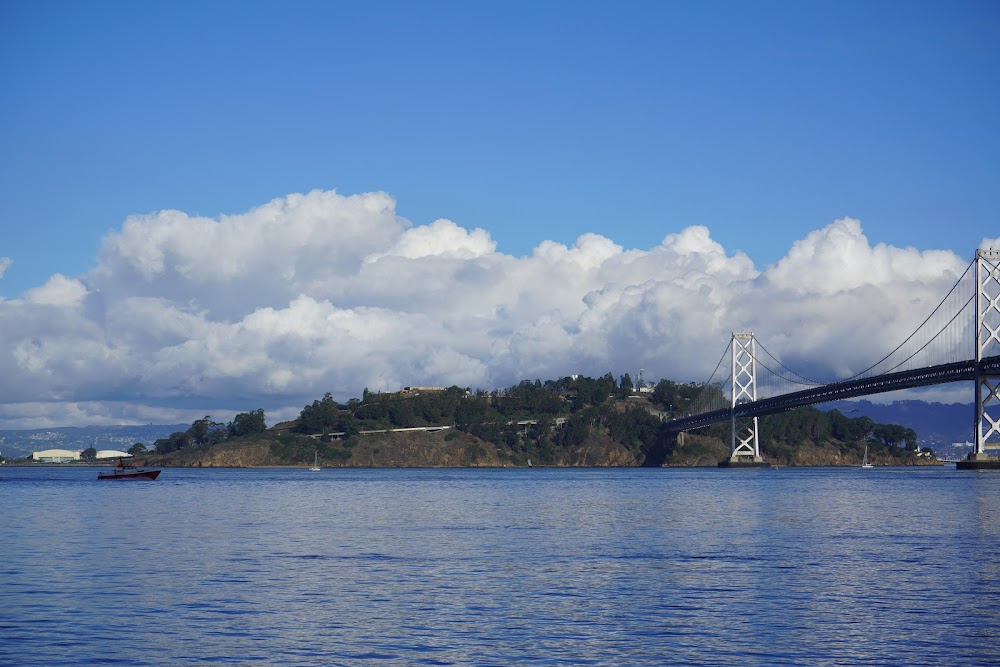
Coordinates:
<point>501,567</point>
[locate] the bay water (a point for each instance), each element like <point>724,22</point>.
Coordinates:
<point>796,566</point>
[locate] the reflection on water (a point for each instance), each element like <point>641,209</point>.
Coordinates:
<point>501,567</point>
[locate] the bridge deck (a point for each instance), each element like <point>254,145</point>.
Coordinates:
<point>940,374</point>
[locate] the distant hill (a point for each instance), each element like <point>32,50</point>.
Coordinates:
<point>454,448</point>
<point>18,444</point>
<point>938,425</point>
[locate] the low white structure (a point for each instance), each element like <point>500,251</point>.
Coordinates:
<point>112,454</point>
<point>55,456</point>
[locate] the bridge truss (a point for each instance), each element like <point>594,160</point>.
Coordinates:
<point>744,445</point>
<point>987,337</point>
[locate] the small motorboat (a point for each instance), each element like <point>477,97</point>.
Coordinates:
<point>122,471</point>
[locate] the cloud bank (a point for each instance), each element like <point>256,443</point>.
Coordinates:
<point>311,293</point>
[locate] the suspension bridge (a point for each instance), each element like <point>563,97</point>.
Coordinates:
<point>958,341</point>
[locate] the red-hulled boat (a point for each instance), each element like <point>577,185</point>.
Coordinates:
<point>123,471</point>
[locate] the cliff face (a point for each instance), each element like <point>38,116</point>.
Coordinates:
<point>443,449</point>
<point>238,454</point>
<point>694,450</point>
<point>421,449</point>
<point>455,449</point>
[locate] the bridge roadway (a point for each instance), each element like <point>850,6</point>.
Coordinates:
<point>940,374</point>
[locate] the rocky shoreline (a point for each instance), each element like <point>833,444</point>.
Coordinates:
<point>455,449</point>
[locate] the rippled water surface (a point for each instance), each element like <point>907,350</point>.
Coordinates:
<point>501,567</point>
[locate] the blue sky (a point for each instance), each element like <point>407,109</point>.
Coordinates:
<point>534,121</point>
<point>209,207</point>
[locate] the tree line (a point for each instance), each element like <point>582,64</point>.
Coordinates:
<point>205,431</point>
<point>537,419</point>
<point>522,418</point>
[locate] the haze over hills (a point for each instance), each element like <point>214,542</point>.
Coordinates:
<point>938,425</point>
<point>17,444</point>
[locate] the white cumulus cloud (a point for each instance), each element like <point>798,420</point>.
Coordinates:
<point>58,291</point>
<point>185,316</point>
<point>441,238</point>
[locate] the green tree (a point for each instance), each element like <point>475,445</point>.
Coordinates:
<point>848,429</point>
<point>246,423</point>
<point>473,411</point>
<point>137,449</point>
<point>89,454</point>
<point>608,384</point>
<point>172,442</point>
<point>204,431</point>
<point>319,417</point>
<point>346,424</point>
<point>894,435</point>
<point>588,391</point>
<point>626,386</point>
<point>574,432</point>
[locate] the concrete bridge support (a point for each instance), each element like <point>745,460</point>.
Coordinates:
<point>987,427</point>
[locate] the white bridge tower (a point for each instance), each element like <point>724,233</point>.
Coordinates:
<point>744,447</point>
<point>987,341</point>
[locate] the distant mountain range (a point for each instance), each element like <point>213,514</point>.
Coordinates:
<point>938,425</point>
<point>18,444</point>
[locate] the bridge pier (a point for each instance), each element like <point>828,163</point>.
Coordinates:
<point>979,462</point>
<point>987,383</point>
<point>744,462</point>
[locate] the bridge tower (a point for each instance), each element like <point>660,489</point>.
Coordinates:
<point>744,446</point>
<point>987,340</point>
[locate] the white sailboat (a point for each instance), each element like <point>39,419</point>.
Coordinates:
<point>315,467</point>
<point>866,463</point>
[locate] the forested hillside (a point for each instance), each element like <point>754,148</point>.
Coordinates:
<point>570,421</point>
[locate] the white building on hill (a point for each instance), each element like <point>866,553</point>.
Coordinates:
<point>55,456</point>
<point>112,454</point>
